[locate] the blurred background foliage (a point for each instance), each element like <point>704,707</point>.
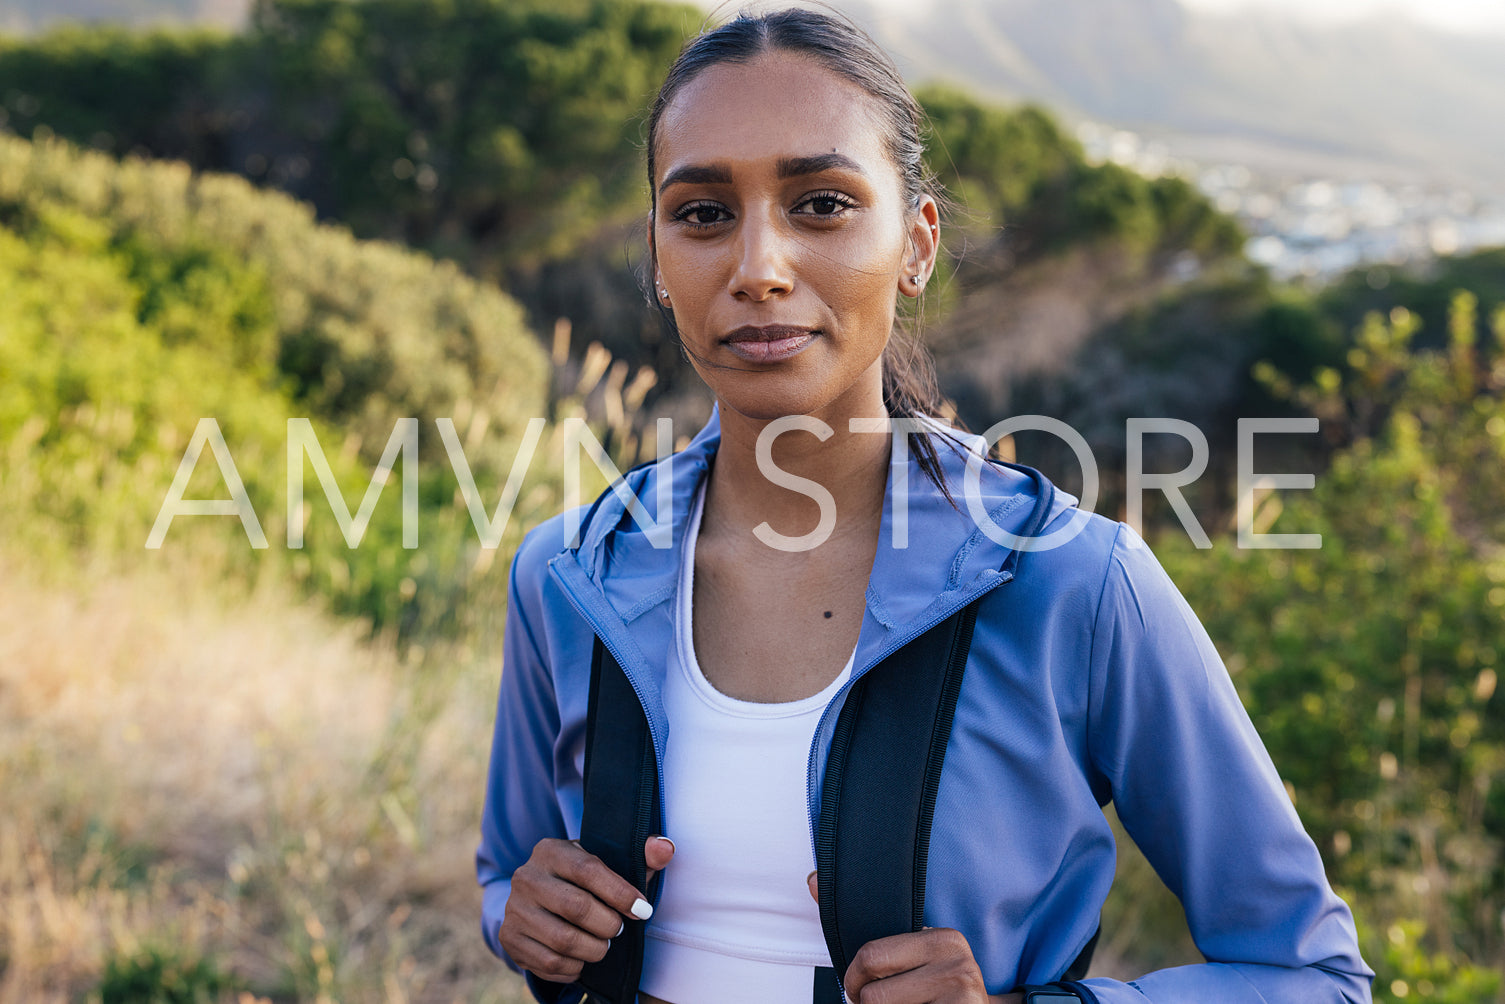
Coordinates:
<point>1370,665</point>
<point>142,297</point>
<point>255,774</point>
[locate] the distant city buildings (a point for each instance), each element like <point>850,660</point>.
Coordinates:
<point>1317,228</point>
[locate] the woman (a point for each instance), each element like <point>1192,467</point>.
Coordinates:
<point>755,581</point>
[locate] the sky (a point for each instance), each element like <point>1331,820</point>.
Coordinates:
<point>1457,15</point>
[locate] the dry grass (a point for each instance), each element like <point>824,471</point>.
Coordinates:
<point>237,778</point>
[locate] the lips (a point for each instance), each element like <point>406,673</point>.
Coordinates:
<point>769,344</point>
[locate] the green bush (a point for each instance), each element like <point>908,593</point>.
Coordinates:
<point>137,298</point>
<point>1408,971</point>
<point>161,975</point>
<point>1371,665</point>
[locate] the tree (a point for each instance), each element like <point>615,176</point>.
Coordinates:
<point>496,132</point>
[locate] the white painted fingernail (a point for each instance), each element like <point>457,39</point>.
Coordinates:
<point>620,928</point>
<point>641,909</point>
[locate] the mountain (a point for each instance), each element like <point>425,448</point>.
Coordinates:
<point>1259,86</point>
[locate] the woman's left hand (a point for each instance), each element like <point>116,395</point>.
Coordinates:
<point>933,966</point>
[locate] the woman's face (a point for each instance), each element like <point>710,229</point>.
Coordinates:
<point>781,236</point>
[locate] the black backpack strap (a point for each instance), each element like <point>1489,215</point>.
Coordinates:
<point>878,794</point>
<point>621,811</point>
<point>878,798</point>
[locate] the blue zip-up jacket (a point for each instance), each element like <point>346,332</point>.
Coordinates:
<point>1089,680</point>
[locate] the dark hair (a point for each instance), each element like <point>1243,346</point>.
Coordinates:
<point>909,384</point>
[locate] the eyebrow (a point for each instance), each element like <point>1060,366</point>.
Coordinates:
<point>696,175</point>
<point>793,167</point>
<point>788,167</point>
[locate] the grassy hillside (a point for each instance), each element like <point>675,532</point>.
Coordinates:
<point>234,795</point>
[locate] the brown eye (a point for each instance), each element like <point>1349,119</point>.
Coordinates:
<point>702,214</point>
<point>824,204</point>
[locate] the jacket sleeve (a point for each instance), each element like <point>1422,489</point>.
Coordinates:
<point>1198,793</point>
<point>520,805</point>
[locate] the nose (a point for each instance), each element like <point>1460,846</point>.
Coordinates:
<point>763,258</point>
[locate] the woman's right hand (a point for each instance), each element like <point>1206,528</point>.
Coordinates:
<point>566,906</point>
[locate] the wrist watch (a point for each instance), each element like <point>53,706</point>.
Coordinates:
<point>1056,994</point>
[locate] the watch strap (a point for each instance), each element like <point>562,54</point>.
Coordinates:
<point>1054,993</point>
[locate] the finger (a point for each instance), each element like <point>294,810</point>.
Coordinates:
<point>563,898</point>
<point>543,962</point>
<point>917,986</point>
<point>883,958</point>
<point>658,851</point>
<point>562,937</point>
<point>931,965</point>
<point>588,872</point>
<point>810,880</point>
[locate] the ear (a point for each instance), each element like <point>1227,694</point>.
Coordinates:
<point>924,245</point>
<point>655,282</point>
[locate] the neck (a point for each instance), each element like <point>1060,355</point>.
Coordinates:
<point>851,466</point>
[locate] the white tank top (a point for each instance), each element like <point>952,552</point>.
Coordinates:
<point>735,922</point>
